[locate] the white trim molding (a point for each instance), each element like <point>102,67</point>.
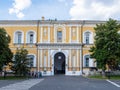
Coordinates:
<point>56,26</point>
<point>15,36</point>
<point>34,61</point>
<point>91,37</point>
<point>27,36</point>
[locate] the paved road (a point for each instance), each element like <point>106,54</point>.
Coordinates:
<point>73,83</point>
<point>59,82</point>
<point>24,85</point>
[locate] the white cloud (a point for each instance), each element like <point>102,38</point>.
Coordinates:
<point>19,6</point>
<point>20,15</point>
<point>95,9</point>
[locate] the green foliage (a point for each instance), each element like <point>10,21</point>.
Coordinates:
<point>5,52</point>
<point>106,50</point>
<point>20,64</point>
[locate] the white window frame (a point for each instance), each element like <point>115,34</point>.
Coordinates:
<point>60,37</point>
<point>90,37</point>
<point>34,61</point>
<point>16,37</point>
<point>28,36</point>
<point>91,61</point>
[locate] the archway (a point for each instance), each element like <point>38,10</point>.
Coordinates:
<point>59,63</point>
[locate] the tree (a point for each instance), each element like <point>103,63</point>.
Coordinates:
<point>106,50</point>
<point>5,52</point>
<point>20,64</point>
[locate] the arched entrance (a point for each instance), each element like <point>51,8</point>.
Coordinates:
<point>59,63</point>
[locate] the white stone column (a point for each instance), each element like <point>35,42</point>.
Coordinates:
<point>41,58</point>
<point>64,36</point>
<point>48,57</point>
<point>66,65</point>
<point>38,60</point>
<point>74,61</point>
<point>81,62</point>
<point>55,35</point>
<point>53,65</point>
<point>70,59</point>
<point>49,34</point>
<point>41,34</point>
<point>77,59</point>
<point>70,35</point>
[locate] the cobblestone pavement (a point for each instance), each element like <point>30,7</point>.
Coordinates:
<point>61,82</point>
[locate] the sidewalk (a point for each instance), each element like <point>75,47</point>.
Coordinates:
<point>24,85</point>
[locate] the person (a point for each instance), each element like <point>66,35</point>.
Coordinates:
<point>32,74</point>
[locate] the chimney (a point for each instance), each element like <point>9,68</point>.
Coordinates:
<point>43,18</point>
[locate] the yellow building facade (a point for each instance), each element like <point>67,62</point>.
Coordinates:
<point>54,46</point>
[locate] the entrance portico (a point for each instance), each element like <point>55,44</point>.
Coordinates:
<point>59,62</point>
<point>60,59</point>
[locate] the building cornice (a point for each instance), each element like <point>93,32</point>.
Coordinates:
<point>49,22</point>
<point>59,46</point>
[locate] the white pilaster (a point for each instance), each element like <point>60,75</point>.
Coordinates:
<point>70,59</point>
<point>64,34</point>
<point>49,34</point>
<point>70,35</point>
<point>48,57</point>
<point>41,58</point>
<point>45,61</point>
<point>52,65</point>
<point>41,34</point>
<point>74,60</point>
<point>81,62</point>
<point>77,34</point>
<point>38,66</point>
<point>55,35</point>
<point>66,65</point>
<point>77,59</point>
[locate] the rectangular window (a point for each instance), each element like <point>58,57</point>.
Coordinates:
<point>19,38</point>
<point>30,60</point>
<point>31,38</point>
<point>87,40</point>
<point>59,36</point>
<point>87,62</point>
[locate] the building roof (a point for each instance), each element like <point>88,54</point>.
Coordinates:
<point>35,22</point>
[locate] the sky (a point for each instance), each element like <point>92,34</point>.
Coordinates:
<point>59,9</point>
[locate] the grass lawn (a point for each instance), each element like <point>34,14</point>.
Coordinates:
<point>114,77</point>
<point>12,78</point>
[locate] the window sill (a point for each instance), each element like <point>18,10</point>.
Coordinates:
<point>18,43</point>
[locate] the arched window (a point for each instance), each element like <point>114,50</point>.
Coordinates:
<point>88,37</point>
<point>18,37</point>
<point>31,61</point>
<point>31,37</point>
<point>86,60</point>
